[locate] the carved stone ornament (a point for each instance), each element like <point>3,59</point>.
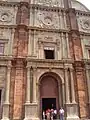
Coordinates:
<point>46,20</point>
<point>5,16</point>
<point>49,2</point>
<point>85,24</point>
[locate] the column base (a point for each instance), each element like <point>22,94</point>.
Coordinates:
<point>5,119</point>
<point>31,119</point>
<point>73,118</point>
<point>5,114</point>
<point>31,111</point>
<point>89,110</point>
<point>72,111</point>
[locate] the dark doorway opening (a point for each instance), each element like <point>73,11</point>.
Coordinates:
<point>48,103</point>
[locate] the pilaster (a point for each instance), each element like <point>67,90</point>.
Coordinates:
<point>67,87</point>
<point>71,105</point>
<point>31,106</point>
<point>88,85</point>
<point>6,104</point>
<point>72,86</point>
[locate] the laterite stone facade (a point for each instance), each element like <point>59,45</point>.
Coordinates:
<point>44,55</point>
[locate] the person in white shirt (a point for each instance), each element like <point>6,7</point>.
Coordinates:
<point>55,114</point>
<point>61,112</point>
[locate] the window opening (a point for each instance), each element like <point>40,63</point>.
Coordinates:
<point>49,54</point>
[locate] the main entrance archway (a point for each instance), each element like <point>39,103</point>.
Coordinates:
<point>50,92</point>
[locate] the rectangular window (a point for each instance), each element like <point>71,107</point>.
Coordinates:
<point>49,54</point>
<point>1,48</point>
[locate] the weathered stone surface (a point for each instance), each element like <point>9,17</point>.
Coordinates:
<point>27,30</point>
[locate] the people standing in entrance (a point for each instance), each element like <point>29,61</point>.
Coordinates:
<point>48,114</point>
<point>61,112</point>
<point>55,114</point>
<point>43,115</point>
<point>52,114</point>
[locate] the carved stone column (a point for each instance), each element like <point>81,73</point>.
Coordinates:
<point>68,50</point>
<point>71,107</point>
<point>60,100</point>
<point>88,84</point>
<point>10,45</point>
<point>65,24</point>
<point>63,93</point>
<point>67,87</point>
<point>31,107</point>
<point>34,87</point>
<point>28,86</point>
<point>5,114</point>
<point>61,20</point>
<point>29,44</point>
<point>83,47</point>
<point>63,46</point>
<point>72,86</point>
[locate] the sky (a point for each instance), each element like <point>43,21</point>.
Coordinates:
<point>86,3</point>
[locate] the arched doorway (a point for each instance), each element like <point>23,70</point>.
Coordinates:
<point>50,92</point>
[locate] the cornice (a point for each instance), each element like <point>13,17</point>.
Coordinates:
<point>8,26</point>
<point>10,4</point>
<point>70,61</point>
<point>84,33</point>
<point>43,63</point>
<point>5,58</point>
<point>48,30</point>
<point>33,28</point>
<point>47,8</point>
<point>82,13</point>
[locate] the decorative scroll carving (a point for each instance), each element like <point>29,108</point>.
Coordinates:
<point>6,16</point>
<point>57,3</point>
<point>48,20</point>
<point>85,24</point>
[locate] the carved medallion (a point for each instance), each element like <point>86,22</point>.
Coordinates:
<point>5,16</point>
<point>46,19</point>
<point>85,24</point>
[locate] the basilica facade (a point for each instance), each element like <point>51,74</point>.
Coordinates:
<point>44,59</point>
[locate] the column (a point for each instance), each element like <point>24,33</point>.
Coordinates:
<point>83,47</point>
<point>88,81</point>
<point>60,101</point>
<point>61,20</point>
<point>10,45</point>
<point>29,44</point>
<point>67,87</point>
<point>34,86</point>
<point>5,115</point>
<point>88,84</point>
<point>68,50</point>
<point>63,46</point>
<point>72,86</point>
<point>31,39</point>
<point>28,86</point>
<point>63,92</point>
<point>65,24</point>
<point>35,38</point>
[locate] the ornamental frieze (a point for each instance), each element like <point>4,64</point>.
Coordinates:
<point>55,3</point>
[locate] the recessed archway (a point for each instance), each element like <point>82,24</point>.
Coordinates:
<point>50,91</point>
